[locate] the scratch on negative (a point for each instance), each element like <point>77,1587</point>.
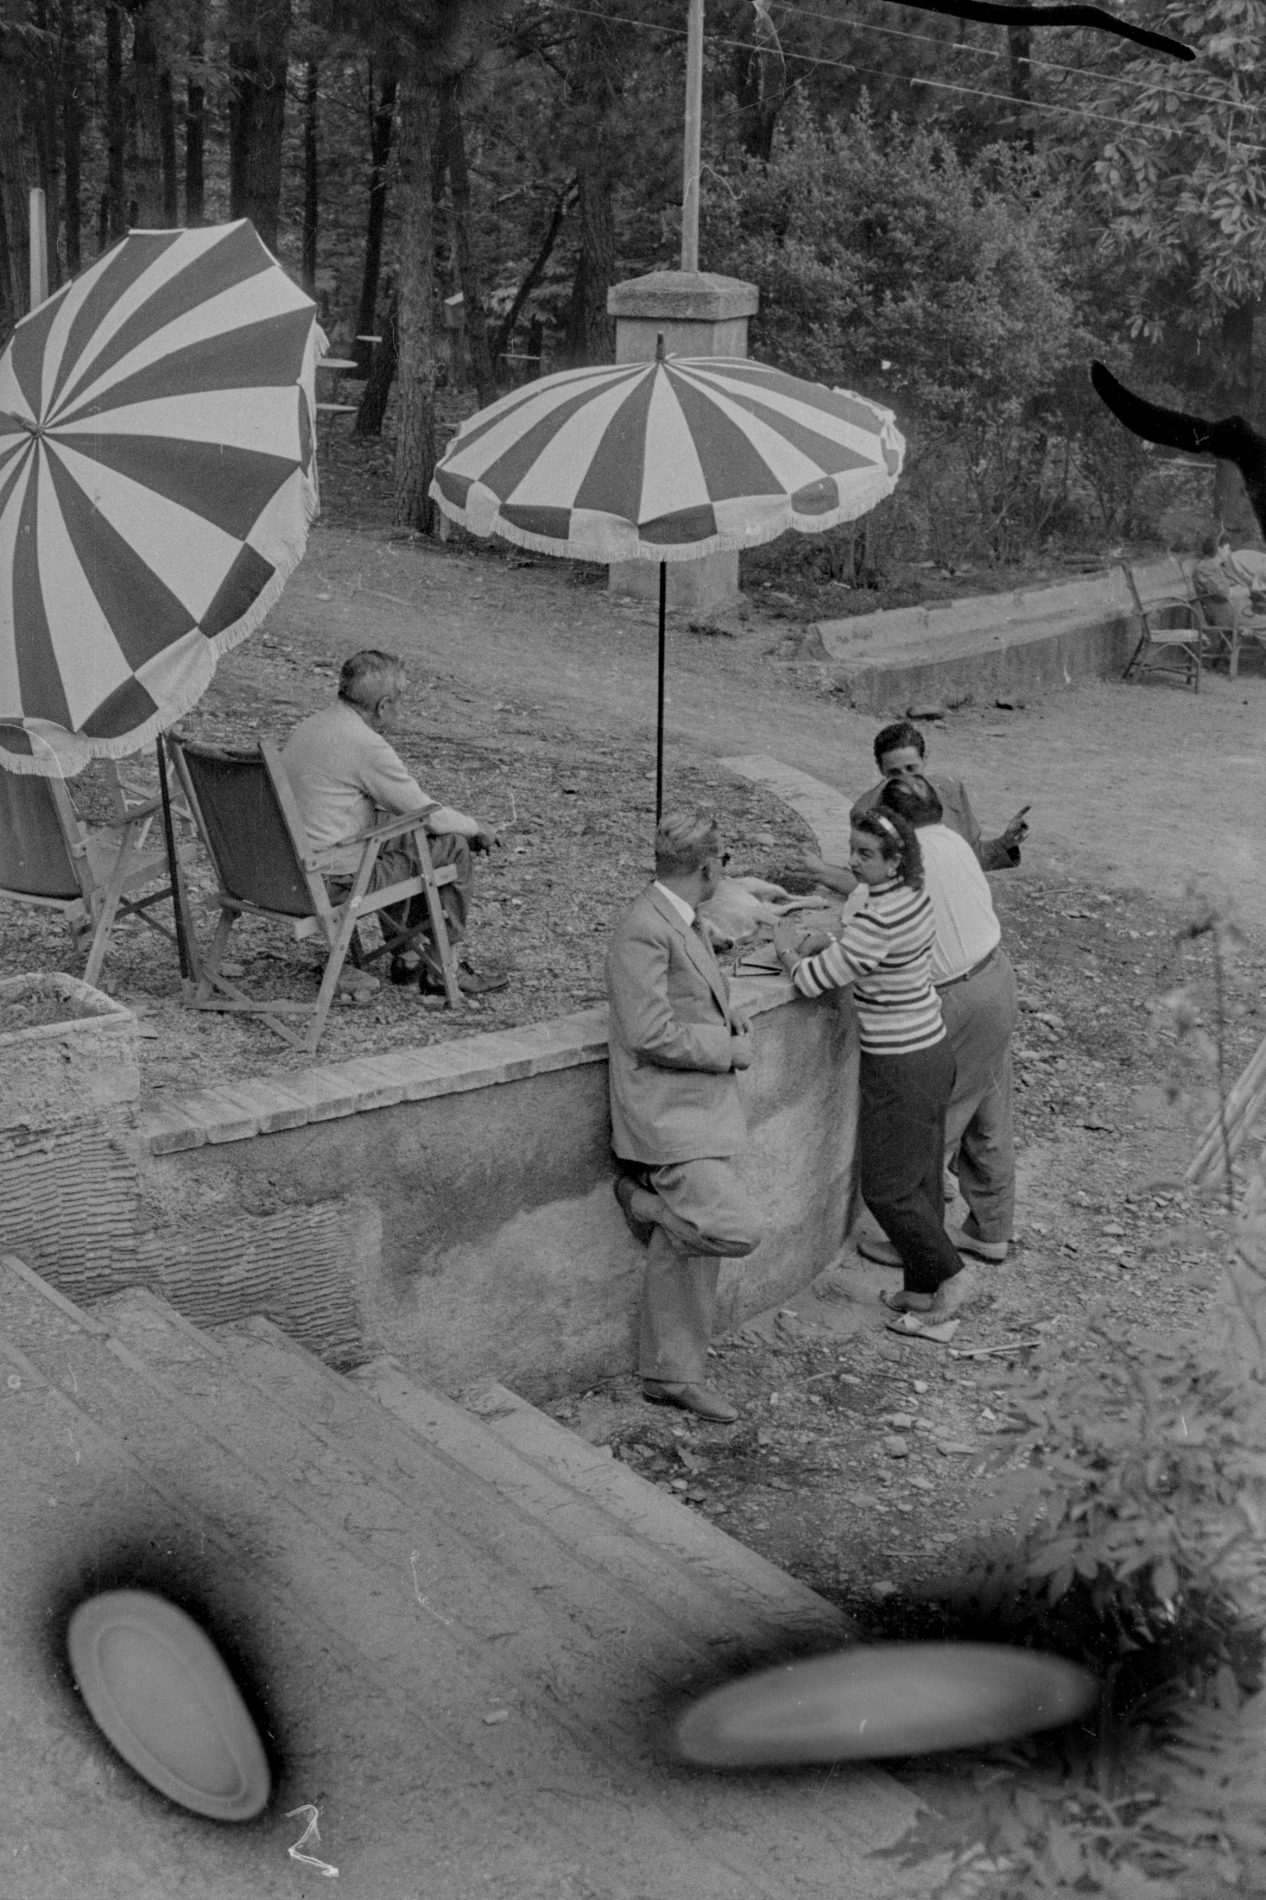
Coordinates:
<point>311,1836</point>
<point>417,1591</point>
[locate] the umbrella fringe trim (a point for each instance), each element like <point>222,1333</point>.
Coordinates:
<point>589,548</point>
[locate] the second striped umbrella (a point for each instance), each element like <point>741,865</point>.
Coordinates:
<point>667,460</point>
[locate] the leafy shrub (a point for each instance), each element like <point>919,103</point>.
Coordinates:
<point>1138,1480</point>
<point>888,263</point>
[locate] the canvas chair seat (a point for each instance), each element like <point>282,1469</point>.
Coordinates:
<point>94,878</point>
<point>255,837</point>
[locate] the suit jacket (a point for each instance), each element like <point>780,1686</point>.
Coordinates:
<point>674,1094</point>
<point>956,812</point>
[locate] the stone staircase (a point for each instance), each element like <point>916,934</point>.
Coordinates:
<point>465,1631</point>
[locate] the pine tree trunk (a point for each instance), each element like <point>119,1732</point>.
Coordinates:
<point>72,137</point>
<point>1020,48</point>
<point>195,128</point>
<point>380,127</point>
<point>115,205</point>
<point>14,202</point>
<point>595,78</point>
<point>373,404</point>
<point>591,330</point>
<point>167,149</point>
<point>44,117</point>
<point>148,144</point>
<point>258,44</point>
<point>418,154</point>
<point>1231,505</point>
<point>311,179</point>
<point>504,334</point>
<point>463,248</point>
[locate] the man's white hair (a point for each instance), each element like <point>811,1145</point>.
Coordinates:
<point>370,676</point>
<point>684,841</point>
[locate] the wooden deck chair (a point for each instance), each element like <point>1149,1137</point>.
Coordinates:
<point>1172,631</point>
<point>49,858</point>
<point>254,834</point>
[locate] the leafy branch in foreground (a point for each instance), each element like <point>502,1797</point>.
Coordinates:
<point>1136,1485</point>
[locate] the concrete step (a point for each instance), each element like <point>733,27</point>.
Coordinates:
<point>713,1586</point>
<point>460,1687</point>
<point>693,1599</point>
<point>83,1510</point>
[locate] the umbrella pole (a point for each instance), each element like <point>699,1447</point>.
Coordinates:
<point>659,724</point>
<point>173,865</point>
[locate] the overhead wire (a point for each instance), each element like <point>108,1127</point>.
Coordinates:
<point>878,72</point>
<point>1030,59</point>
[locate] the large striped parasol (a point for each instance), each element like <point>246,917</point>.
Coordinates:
<point>157,480</point>
<point>667,460</point>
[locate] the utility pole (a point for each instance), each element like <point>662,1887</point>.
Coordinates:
<point>694,119</point>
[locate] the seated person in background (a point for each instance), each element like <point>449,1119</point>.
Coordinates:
<point>900,751</point>
<point>1221,578</point>
<point>346,778</point>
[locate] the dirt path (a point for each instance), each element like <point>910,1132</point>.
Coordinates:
<point>1132,787</point>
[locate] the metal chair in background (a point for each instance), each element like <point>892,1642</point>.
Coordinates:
<point>1172,630</point>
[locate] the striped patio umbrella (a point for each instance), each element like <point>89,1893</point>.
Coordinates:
<point>157,480</point>
<point>667,460</point>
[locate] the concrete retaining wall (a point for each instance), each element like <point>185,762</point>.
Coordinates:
<point>958,651</point>
<point>452,1205</point>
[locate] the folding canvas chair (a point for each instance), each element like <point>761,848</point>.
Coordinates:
<point>49,858</point>
<point>1172,631</point>
<point>255,838</point>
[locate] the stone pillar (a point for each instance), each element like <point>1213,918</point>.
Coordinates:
<point>698,314</point>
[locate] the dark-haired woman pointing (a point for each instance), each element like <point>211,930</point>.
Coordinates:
<point>884,952</point>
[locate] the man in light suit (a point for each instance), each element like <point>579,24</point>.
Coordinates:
<point>677,1120</point>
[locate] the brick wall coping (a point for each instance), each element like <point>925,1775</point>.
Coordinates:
<point>239,1110</point>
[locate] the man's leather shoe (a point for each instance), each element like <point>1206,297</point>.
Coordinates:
<point>965,1242</point>
<point>469,982</point>
<point>878,1248</point>
<point>700,1399</point>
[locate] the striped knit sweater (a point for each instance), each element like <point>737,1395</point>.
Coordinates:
<point>885,951</point>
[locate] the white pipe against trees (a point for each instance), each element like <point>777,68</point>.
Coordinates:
<point>690,156</point>
<point>38,249</point>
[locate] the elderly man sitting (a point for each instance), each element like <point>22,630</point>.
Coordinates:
<point>345,777</point>
<point>1227,579</point>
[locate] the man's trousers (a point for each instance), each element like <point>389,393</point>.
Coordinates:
<point>701,1214</point>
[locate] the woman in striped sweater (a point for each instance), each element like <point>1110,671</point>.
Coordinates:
<point>884,952</point>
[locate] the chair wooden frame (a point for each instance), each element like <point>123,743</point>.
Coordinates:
<point>1164,646</point>
<point>122,873</point>
<point>322,914</point>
